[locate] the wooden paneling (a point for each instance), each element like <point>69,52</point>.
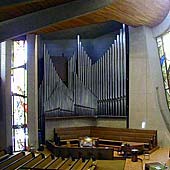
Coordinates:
<point>130,12</point>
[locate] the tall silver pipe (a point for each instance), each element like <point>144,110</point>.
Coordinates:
<point>97,79</point>
<point>94,83</point>
<point>81,62</point>
<point>50,83</point>
<point>78,53</point>
<point>107,88</point>
<point>45,76</point>
<point>90,73</point>
<point>98,85</point>
<point>113,79</point>
<point>110,81</point>
<point>118,69</point>
<point>69,68</point>
<point>104,87</point>
<point>124,67</point>
<point>86,62</point>
<point>116,79</point>
<point>47,86</point>
<point>121,70</point>
<point>83,66</point>
<point>52,75</point>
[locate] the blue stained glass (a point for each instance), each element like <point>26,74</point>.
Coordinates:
<point>162,60</point>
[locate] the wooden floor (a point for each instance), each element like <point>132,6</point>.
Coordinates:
<point>160,155</point>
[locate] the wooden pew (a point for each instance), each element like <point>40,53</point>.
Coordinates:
<point>3,155</point>
<point>19,162</point>
<point>55,163</point>
<point>44,162</point>
<point>77,152</point>
<point>69,133</point>
<point>67,164</point>
<point>62,163</point>
<point>32,162</point>
<point>11,159</point>
<point>72,134</point>
<point>127,135</point>
<point>76,164</point>
<point>88,164</point>
<point>80,166</point>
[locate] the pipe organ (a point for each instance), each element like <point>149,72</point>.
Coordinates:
<point>57,97</point>
<point>94,89</point>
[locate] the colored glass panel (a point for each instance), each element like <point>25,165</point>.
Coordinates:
<point>18,79</point>
<point>20,138</point>
<point>19,96</point>
<point>163,43</point>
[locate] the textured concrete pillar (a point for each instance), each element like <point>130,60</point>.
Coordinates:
<point>5,110</point>
<point>32,90</point>
<point>144,78</point>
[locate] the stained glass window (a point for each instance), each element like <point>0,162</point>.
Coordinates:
<point>19,96</point>
<point>163,43</point>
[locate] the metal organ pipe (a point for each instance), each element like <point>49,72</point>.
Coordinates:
<point>100,85</point>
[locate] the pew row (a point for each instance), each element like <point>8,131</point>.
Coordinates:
<point>18,162</point>
<point>31,161</point>
<point>107,136</point>
<point>11,159</point>
<point>94,153</point>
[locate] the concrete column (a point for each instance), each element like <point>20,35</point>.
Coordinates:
<point>145,79</point>
<point>32,68</point>
<point>5,86</point>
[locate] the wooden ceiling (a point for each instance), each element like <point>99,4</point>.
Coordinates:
<point>131,12</point>
<point>14,10</point>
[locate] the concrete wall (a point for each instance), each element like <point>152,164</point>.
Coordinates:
<point>109,122</point>
<point>105,122</point>
<point>146,91</point>
<point>57,123</point>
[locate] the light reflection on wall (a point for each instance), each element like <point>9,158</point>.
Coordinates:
<point>19,96</point>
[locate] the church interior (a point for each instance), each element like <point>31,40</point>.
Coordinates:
<point>85,85</point>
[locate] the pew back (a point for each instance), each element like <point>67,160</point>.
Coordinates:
<point>105,133</point>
